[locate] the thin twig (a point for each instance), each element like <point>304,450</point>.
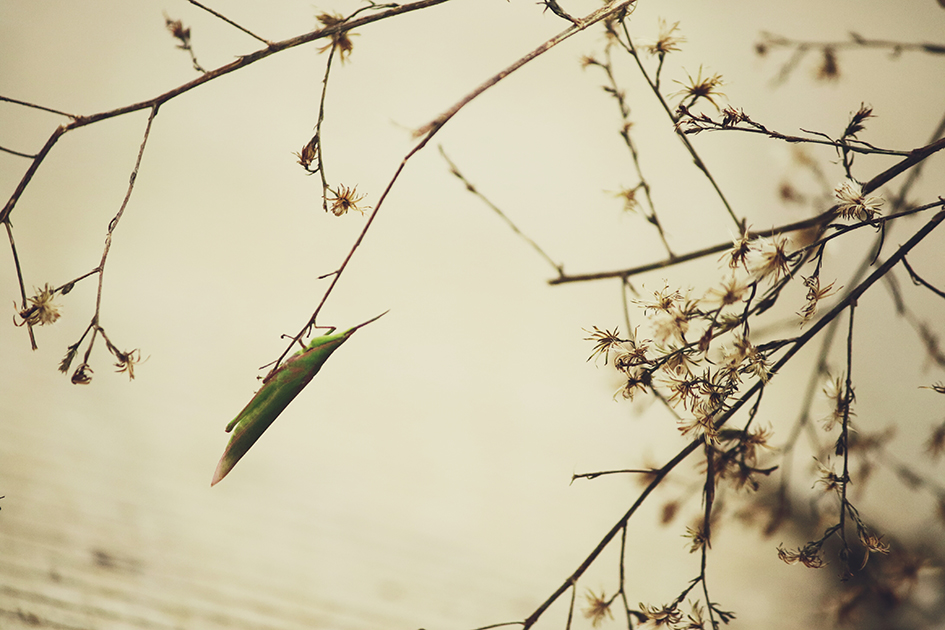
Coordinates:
<point>843,442</point>
<point>471,188</point>
<point>699,123</point>
<point>121,211</point>
<point>614,90</point>
<point>427,133</point>
<point>630,48</point>
<point>19,278</point>
<point>601,473</point>
<point>919,281</point>
<point>230,22</point>
<point>614,8</point>
<point>796,345</point>
<point>18,153</point>
<point>318,130</point>
<point>916,156</point>
<point>7,99</point>
<point>239,63</point>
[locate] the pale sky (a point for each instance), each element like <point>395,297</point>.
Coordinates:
<point>422,479</point>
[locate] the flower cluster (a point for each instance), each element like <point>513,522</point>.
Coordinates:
<point>125,360</point>
<point>698,376</point>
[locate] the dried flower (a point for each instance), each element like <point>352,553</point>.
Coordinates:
<point>738,255</point>
<point>176,28</point>
<point>637,378</point>
<point>841,400</point>
<point>851,204</point>
<point>700,425</point>
<point>858,121</point>
<point>630,355</point>
<point>666,615</point>
<point>340,40</point>
<point>671,326</point>
<point>814,295</point>
<point>346,199</point>
<point>773,259</point>
<point>700,87</point>
<point>872,542</point>
<point>732,291</point>
<point>678,362</point>
<point>667,42</point>
<point>732,116</point>
<point>629,196</point>
<point>673,313</point>
<point>744,358</point>
<point>696,536</point>
<point>604,342</point>
<point>696,617</point>
<point>308,154</point>
<point>809,555</point>
<point>41,311</point>
<point>665,300</point>
<point>127,361</point>
<point>598,607</point>
<point>683,390</point>
<point>82,375</point>
<point>828,478</point>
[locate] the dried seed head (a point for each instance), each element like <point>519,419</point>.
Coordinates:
<point>176,28</point>
<point>851,204</point>
<point>598,607</point>
<point>667,41</point>
<point>82,375</point>
<point>701,87</point>
<point>41,311</point>
<point>308,153</point>
<point>773,258</point>
<point>346,199</point>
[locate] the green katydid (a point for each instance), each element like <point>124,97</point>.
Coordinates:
<point>278,390</point>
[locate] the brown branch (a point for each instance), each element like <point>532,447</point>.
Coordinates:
<point>915,157</point>
<point>793,349</point>
<point>430,130</point>
<point>7,99</point>
<point>230,22</point>
<point>240,62</point>
<point>19,277</point>
<point>615,7</point>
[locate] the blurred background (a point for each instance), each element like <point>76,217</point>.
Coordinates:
<point>424,478</point>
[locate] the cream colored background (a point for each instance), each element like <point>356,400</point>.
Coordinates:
<point>423,478</point>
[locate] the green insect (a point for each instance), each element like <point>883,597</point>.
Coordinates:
<point>274,396</point>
